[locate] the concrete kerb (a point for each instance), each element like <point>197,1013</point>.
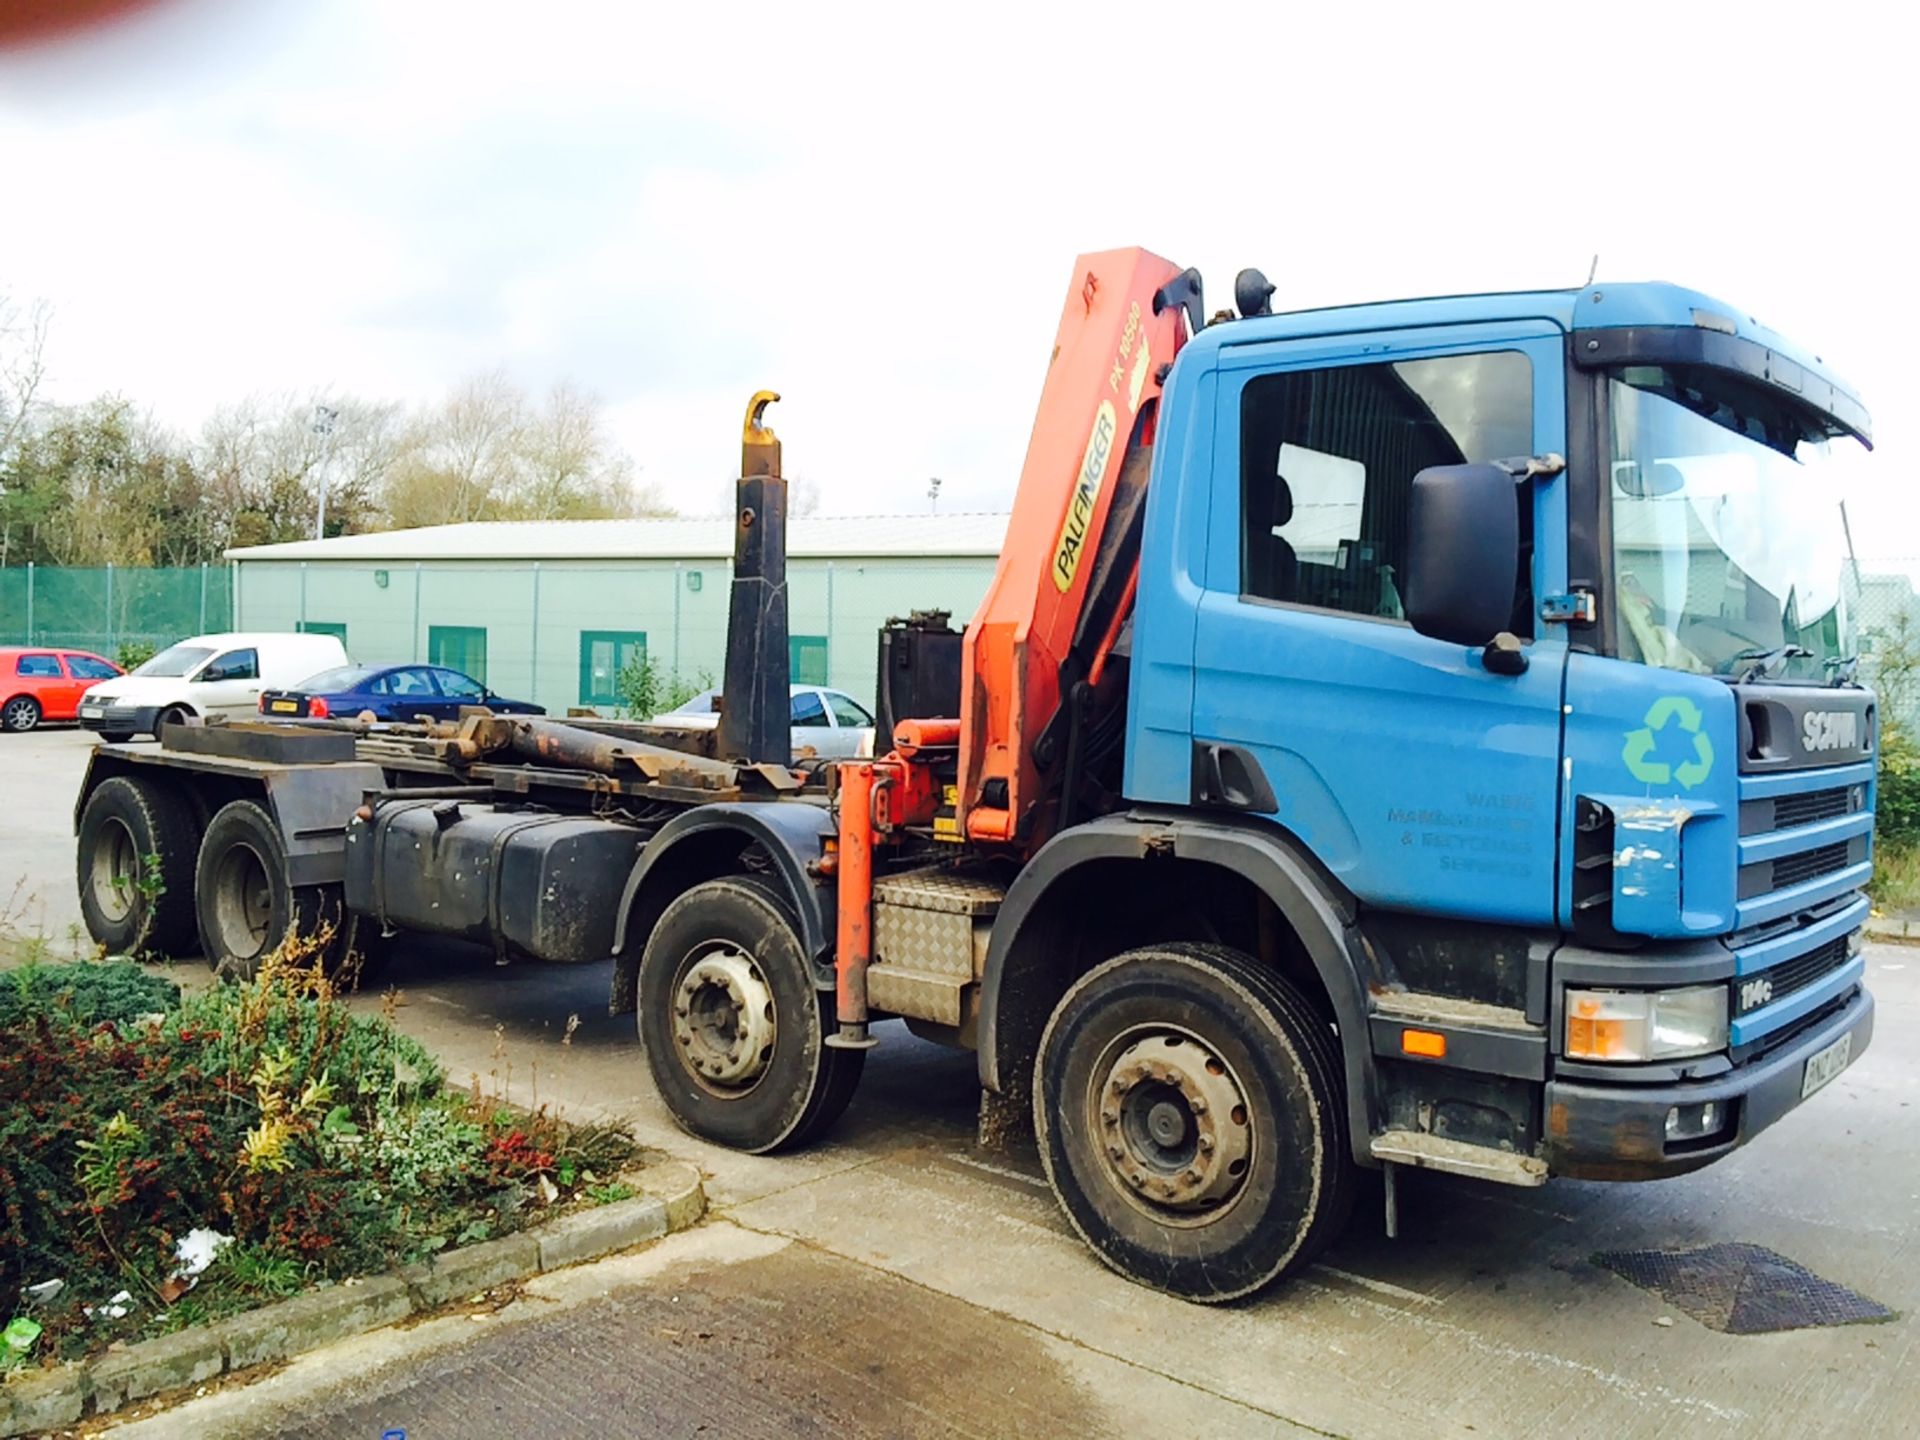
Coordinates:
<point>1900,929</point>
<point>671,1198</point>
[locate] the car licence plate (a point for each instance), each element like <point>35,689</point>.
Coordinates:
<point>1828,1063</point>
<point>284,707</point>
<point>89,712</point>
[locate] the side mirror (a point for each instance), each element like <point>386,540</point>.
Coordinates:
<point>1463,552</point>
<point>211,673</point>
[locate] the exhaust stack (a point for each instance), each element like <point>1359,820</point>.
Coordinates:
<point>754,715</point>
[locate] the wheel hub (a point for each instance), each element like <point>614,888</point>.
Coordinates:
<point>1174,1124</point>
<point>723,1018</point>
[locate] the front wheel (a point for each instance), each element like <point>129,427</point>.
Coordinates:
<point>21,714</point>
<point>1191,1118</point>
<point>732,1025</point>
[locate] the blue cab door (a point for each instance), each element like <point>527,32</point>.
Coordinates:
<point>1417,777</point>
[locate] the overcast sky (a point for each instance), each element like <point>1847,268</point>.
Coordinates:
<point>876,212</point>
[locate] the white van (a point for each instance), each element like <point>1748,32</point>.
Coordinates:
<point>207,675</point>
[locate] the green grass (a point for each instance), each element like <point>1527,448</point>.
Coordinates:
<point>1896,876</point>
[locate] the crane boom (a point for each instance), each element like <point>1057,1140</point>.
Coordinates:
<point>1029,643</point>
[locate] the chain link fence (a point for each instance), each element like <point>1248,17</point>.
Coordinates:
<point>107,609</point>
<point>1888,621</point>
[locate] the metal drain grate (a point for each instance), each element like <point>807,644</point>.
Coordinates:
<point>1741,1289</point>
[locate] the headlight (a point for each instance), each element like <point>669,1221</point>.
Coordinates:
<point>1646,1024</point>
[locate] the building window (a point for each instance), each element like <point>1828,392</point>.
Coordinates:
<point>603,655</point>
<point>807,659</point>
<point>323,627</point>
<point>1328,459</point>
<point>459,647</point>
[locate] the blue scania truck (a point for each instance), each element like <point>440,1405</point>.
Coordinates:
<point>1422,734</point>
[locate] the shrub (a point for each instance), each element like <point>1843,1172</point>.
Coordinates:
<point>132,654</point>
<point>646,690</point>
<point>325,1143</point>
<point>86,992</point>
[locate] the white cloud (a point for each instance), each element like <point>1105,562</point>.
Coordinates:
<point>876,210</point>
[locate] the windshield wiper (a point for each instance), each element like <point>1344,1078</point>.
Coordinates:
<point>1767,663</point>
<point>1843,672</point>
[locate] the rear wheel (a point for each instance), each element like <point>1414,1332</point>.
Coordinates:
<point>116,737</point>
<point>20,714</point>
<point>134,862</point>
<point>733,1027</point>
<point>1191,1117</point>
<point>244,904</point>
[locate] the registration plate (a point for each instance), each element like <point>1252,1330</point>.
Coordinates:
<point>1828,1063</point>
<point>89,712</point>
<point>284,707</point>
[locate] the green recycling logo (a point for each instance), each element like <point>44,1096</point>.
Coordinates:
<point>1638,752</point>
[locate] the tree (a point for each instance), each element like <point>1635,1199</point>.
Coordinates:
<point>488,453</point>
<point>23,346</point>
<point>266,458</point>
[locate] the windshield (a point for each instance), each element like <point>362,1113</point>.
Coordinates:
<point>175,662</point>
<point>1729,543</point>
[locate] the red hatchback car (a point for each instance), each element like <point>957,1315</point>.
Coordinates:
<point>38,683</point>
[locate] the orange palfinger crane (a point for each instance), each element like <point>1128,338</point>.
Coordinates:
<point>1034,673</point>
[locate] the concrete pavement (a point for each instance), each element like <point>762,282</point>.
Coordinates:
<point>1487,1318</point>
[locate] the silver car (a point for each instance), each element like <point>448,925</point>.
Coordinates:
<point>828,722</point>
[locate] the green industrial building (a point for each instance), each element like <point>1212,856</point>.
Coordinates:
<point>551,610</point>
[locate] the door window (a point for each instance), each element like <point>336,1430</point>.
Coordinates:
<point>85,667</point>
<point>234,665</point>
<point>411,682</point>
<point>1327,465</point>
<point>846,713</point>
<point>808,711</point>
<point>459,647</point>
<point>39,667</point>
<point>456,686</point>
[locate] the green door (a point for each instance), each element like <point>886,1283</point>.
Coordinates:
<point>459,647</point>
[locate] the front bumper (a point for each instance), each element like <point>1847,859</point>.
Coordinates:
<point>1618,1131</point>
<point>120,719</point>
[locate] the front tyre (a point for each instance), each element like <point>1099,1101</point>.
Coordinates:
<point>21,714</point>
<point>1191,1117</point>
<point>134,863</point>
<point>732,1025</point>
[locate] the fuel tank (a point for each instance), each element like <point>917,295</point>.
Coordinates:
<point>523,882</point>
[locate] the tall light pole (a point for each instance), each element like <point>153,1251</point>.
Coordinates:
<point>324,419</point>
<point>933,494</point>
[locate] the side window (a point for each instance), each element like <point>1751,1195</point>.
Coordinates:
<point>39,667</point>
<point>807,709</point>
<point>234,665</point>
<point>453,684</point>
<point>380,685</point>
<point>846,713</point>
<point>1327,463</point>
<point>85,667</point>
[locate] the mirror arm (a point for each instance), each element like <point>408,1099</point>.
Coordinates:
<point>1533,467</point>
<point>1504,655</point>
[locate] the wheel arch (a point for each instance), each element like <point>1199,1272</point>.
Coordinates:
<point>1250,879</point>
<point>709,841</point>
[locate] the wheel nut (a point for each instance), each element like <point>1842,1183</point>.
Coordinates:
<point>1197,1104</point>
<point>1206,1144</point>
<point>1110,1117</point>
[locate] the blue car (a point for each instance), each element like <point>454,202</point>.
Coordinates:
<point>389,692</point>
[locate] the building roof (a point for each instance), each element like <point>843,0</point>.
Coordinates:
<point>962,533</point>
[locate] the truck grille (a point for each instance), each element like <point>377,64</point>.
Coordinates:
<point>1751,992</point>
<point>1804,809</point>
<point>1792,870</point>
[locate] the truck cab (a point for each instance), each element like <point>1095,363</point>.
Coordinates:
<point>1602,842</point>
